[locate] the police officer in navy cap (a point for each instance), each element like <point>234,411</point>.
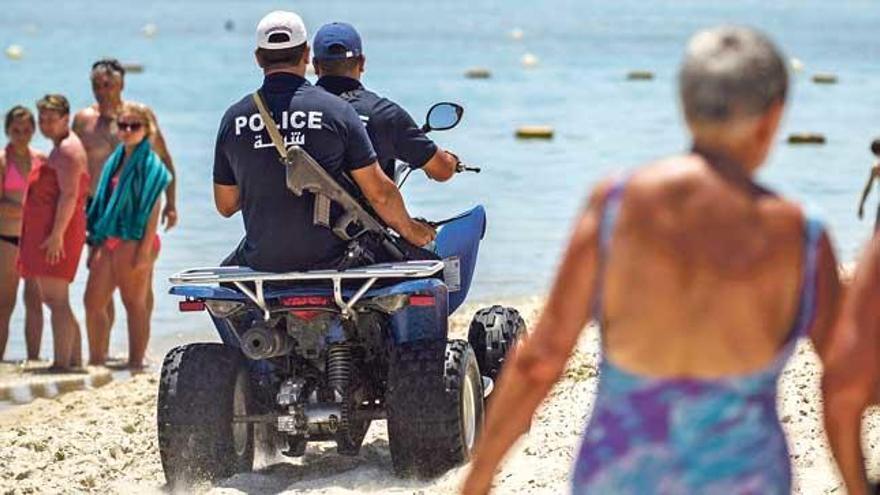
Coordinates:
<point>339,62</point>
<point>248,176</point>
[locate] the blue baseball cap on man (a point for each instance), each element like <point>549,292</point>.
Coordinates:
<point>337,34</point>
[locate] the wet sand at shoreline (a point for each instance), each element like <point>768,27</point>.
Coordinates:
<point>104,440</point>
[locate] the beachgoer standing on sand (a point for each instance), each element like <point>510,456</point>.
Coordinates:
<point>96,127</point>
<point>702,282</point>
<point>122,221</point>
<point>339,61</point>
<point>851,381</point>
<point>16,162</point>
<point>875,173</point>
<point>53,229</point>
<point>280,232</point>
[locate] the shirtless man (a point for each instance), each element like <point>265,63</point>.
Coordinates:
<point>96,127</point>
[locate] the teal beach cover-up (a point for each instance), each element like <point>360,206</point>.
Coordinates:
<point>123,211</point>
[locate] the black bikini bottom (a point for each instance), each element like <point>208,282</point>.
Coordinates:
<point>11,239</point>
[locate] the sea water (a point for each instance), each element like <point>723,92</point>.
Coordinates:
<point>417,53</point>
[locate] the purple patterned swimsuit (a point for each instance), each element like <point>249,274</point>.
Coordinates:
<point>689,435</point>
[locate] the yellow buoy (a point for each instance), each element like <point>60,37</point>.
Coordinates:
<point>640,75</point>
<point>534,132</point>
<point>14,52</point>
<point>806,138</point>
<point>824,79</point>
<point>133,67</point>
<point>477,73</point>
<point>529,60</point>
<point>796,64</point>
<point>516,34</point>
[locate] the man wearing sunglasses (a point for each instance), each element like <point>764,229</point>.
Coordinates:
<point>280,233</point>
<point>96,127</point>
<point>339,61</point>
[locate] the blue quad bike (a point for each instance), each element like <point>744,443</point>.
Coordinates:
<point>316,356</point>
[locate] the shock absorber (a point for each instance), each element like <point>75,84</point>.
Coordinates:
<point>339,368</point>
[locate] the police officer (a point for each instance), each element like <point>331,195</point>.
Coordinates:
<point>339,61</point>
<point>248,176</point>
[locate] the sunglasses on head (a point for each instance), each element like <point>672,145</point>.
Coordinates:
<point>129,126</point>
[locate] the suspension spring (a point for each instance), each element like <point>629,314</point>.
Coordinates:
<point>339,368</point>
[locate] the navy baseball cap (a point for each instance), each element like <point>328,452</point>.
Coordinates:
<point>337,34</point>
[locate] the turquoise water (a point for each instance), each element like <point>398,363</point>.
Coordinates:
<point>417,53</point>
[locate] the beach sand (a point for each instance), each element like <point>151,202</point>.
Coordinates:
<point>104,440</point>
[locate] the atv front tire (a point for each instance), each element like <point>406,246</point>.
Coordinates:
<point>202,387</point>
<point>493,332</point>
<point>435,407</point>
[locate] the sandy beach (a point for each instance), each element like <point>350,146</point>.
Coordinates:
<point>104,440</point>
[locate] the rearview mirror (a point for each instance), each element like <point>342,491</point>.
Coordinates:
<point>443,116</point>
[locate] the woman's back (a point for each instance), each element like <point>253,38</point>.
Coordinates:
<point>702,298</point>
<point>701,275</point>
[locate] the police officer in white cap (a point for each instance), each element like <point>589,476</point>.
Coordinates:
<point>248,176</point>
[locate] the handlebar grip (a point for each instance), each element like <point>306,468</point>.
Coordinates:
<point>461,167</point>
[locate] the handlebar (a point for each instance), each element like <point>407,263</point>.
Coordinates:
<point>461,167</point>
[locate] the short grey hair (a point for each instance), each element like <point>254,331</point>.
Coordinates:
<point>730,73</point>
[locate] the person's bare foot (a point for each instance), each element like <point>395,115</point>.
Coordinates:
<point>136,368</point>
<point>54,368</point>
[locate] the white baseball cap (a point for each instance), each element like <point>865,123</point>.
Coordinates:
<point>281,29</point>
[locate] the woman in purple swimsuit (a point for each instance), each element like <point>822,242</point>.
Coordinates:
<point>701,281</point>
<point>16,162</point>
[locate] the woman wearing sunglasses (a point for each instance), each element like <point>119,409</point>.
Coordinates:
<point>16,162</point>
<point>122,221</point>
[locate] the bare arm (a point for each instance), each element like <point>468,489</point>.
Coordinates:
<point>227,199</point>
<point>9,208</point>
<point>867,190</point>
<point>441,166</point>
<point>537,364</point>
<point>851,374</point>
<point>69,167</point>
<point>157,141</point>
<point>385,198</point>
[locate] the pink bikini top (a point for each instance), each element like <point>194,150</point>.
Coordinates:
<point>13,181</point>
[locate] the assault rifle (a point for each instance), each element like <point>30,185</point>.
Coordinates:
<point>304,174</point>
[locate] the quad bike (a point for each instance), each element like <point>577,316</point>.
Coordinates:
<point>316,356</point>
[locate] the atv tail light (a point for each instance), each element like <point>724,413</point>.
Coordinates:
<point>299,301</point>
<point>191,305</point>
<point>421,300</point>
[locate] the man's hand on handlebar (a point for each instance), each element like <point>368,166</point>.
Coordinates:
<point>419,233</point>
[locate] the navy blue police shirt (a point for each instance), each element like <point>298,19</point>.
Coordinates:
<point>279,232</point>
<point>392,131</point>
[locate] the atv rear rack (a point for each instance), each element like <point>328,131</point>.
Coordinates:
<point>239,275</point>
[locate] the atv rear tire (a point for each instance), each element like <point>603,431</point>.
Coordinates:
<point>435,407</point>
<point>493,332</point>
<point>202,386</point>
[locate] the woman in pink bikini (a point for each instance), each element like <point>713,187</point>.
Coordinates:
<point>16,162</point>
<point>122,236</point>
